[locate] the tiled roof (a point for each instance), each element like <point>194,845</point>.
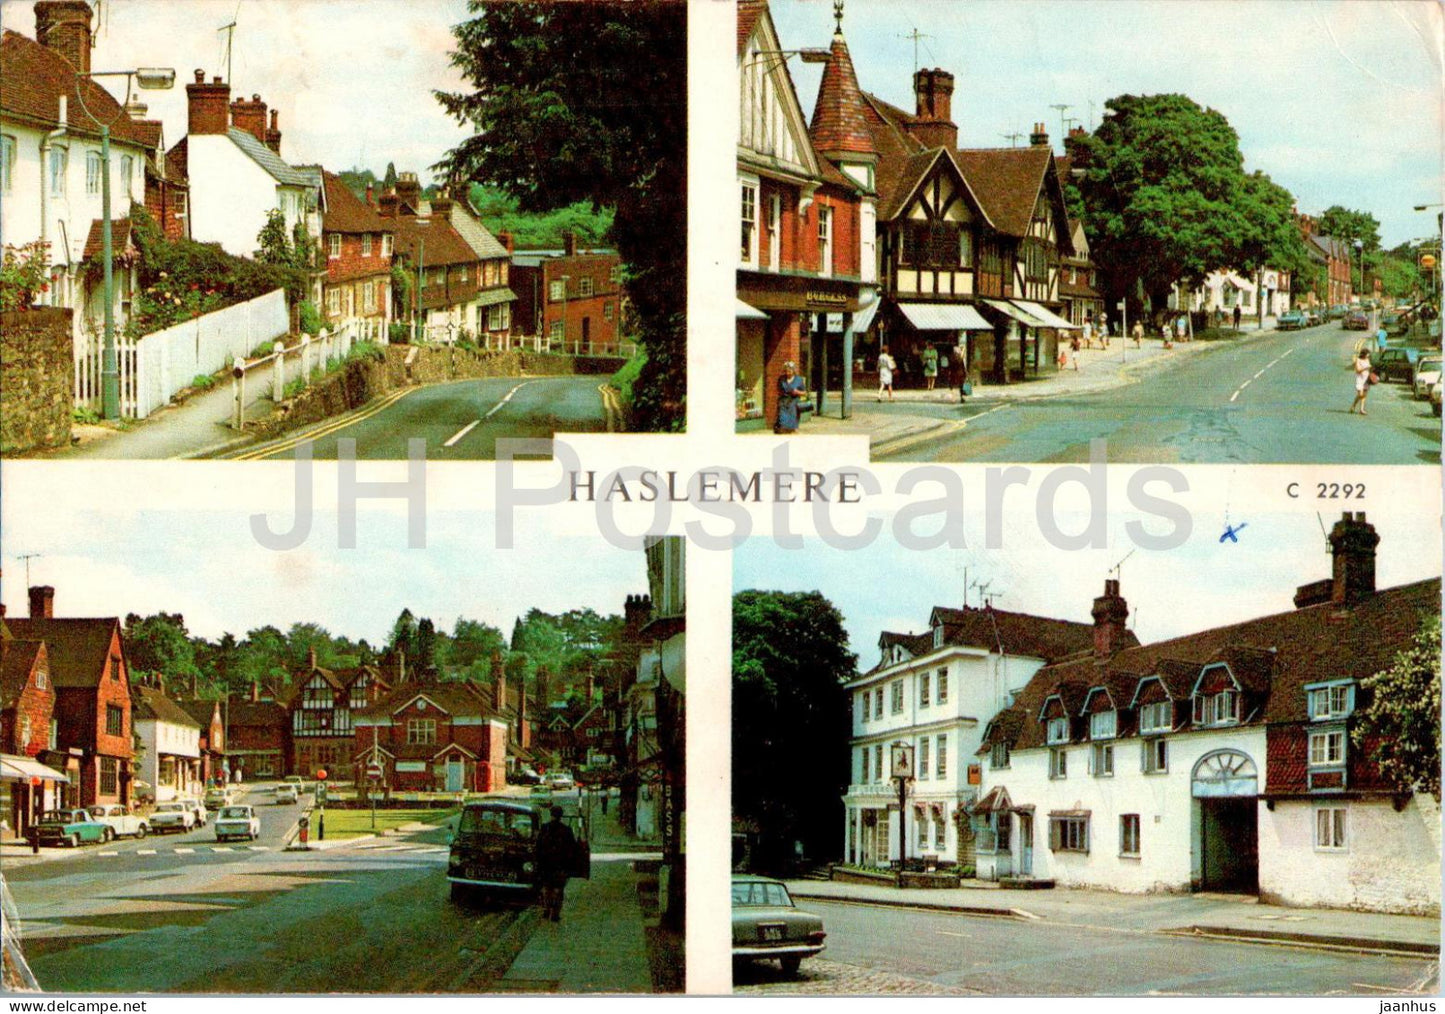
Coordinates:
<point>434,238</point>
<point>202,711</point>
<point>278,168</point>
<point>257,713</point>
<point>19,659</point>
<point>77,648</point>
<point>1273,657</point>
<point>840,119</point>
<point>1007,181</point>
<point>895,146</point>
<point>1017,633</point>
<point>148,702</point>
<point>1078,289</point>
<point>176,159</point>
<point>345,212</point>
<point>119,238</point>
<point>748,13</point>
<point>455,698</point>
<point>477,235</point>
<point>35,79</point>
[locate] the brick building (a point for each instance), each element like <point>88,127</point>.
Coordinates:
<point>28,786</point>
<point>322,710</point>
<point>569,297</point>
<point>357,245</point>
<point>258,737</point>
<point>1222,760</point>
<point>88,670</point>
<point>433,736</point>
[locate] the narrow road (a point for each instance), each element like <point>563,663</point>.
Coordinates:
<point>1280,398</point>
<point>459,421</point>
<point>878,949</point>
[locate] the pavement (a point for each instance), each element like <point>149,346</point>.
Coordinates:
<point>1222,916</point>
<point>196,427</point>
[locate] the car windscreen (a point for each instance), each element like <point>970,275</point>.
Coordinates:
<point>761,894</point>
<point>56,817</point>
<point>480,820</point>
<point>170,808</point>
<point>235,813</point>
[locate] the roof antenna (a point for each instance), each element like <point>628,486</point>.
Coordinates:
<point>1012,139</point>
<point>1062,107</point>
<point>27,557</point>
<point>230,31</point>
<point>1116,570</point>
<point>1318,517</point>
<point>915,35</point>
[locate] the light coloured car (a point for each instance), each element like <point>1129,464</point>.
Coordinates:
<point>120,820</point>
<point>1427,373</point>
<point>172,815</point>
<point>1435,399</point>
<point>561,781</point>
<point>286,793</point>
<point>197,807</point>
<point>237,821</point>
<point>766,924</point>
<point>216,798</point>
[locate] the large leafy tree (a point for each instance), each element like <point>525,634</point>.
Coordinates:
<point>1401,726</point>
<point>159,646</point>
<point>587,102</point>
<point>790,716</point>
<point>1270,236</point>
<point>1159,193</point>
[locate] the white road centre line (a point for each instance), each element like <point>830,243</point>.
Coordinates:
<point>107,853</point>
<point>508,397</point>
<point>220,848</point>
<point>259,848</point>
<point>184,852</point>
<point>463,432</point>
<point>1236,394</point>
<point>946,933</point>
<point>145,852</point>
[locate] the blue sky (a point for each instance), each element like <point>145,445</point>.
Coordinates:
<point>1202,584</point>
<point>1337,101</point>
<point>109,560</point>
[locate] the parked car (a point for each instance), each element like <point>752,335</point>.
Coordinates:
<point>1435,399</point>
<point>1315,317</point>
<point>238,821</point>
<point>70,827</point>
<point>494,848</point>
<point>1291,320</point>
<point>173,815</point>
<point>1395,363</point>
<point>1427,373</point>
<point>1357,320</point>
<point>286,793</point>
<point>302,786</point>
<point>767,925</point>
<point>525,776</point>
<point>216,798</point>
<point>122,823</point>
<point>561,780</point>
<point>197,808</point>
<point>1338,311</point>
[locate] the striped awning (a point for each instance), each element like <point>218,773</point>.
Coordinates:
<point>1049,317</point>
<point>22,769</point>
<point>748,312</point>
<point>863,319</point>
<point>1017,313</point>
<point>944,317</point>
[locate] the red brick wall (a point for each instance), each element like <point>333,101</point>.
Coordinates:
<point>38,705</point>
<point>598,268</point>
<point>114,691</point>
<point>351,263</point>
<point>780,345</point>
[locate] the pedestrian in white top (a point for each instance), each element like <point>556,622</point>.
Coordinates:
<point>886,366</point>
<point>1362,380</point>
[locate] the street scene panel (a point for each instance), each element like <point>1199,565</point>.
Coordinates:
<point>295,792</point>
<point>969,252</point>
<point>223,241</point>
<point>1120,775</point>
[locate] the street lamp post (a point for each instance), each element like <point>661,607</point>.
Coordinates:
<point>901,756</point>
<point>150,79</point>
<point>564,279</point>
<point>1360,248</point>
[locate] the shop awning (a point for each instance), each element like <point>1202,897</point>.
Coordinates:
<point>944,317</point>
<point>22,769</point>
<point>863,319</point>
<point>1049,317</point>
<point>493,296</point>
<point>1010,310</point>
<point>747,312</point>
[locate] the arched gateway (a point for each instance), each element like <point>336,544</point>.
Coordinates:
<point>1225,787</point>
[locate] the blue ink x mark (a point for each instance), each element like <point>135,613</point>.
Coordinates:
<point>1231,532</point>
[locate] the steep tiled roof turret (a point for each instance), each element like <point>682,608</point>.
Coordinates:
<point>840,119</point>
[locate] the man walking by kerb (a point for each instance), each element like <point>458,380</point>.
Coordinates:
<point>555,846</point>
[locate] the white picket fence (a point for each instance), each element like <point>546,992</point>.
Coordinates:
<point>285,366</point>
<point>154,367</point>
<point>450,334</point>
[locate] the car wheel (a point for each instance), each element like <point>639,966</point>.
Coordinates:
<point>791,965</point>
<point>107,836</point>
<point>73,841</point>
<point>142,831</point>
<point>461,892</point>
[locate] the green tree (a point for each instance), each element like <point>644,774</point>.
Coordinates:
<point>389,180</point>
<point>403,635</point>
<point>264,659</point>
<point>304,638</point>
<point>1158,195</point>
<point>474,642</point>
<point>1400,728</point>
<point>1270,236</point>
<point>426,646</point>
<point>1350,225</point>
<point>272,246</point>
<point>158,645</point>
<point>587,102</point>
<point>791,715</point>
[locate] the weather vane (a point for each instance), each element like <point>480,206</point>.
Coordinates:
<point>838,16</point>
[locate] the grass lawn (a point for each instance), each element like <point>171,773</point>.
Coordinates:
<point>353,823</point>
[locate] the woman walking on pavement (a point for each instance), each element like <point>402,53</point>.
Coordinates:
<point>1362,380</point>
<point>886,366</point>
<point>790,395</point>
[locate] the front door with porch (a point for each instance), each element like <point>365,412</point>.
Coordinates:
<point>1225,787</point>
<point>1026,844</point>
<point>454,774</point>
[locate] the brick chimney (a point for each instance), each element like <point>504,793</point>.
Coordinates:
<point>370,196</point>
<point>1352,543</point>
<point>499,682</point>
<point>441,206</point>
<point>386,204</point>
<point>507,240</point>
<point>63,26</point>
<point>250,116</point>
<point>1040,137</point>
<point>311,658</point>
<point>273,132</point>
<point>569,243</point>
<point>1110,614</point>
<point>933,90</point>
<point>42,602</point>
<point>408,190</point>
<point>207,106</point>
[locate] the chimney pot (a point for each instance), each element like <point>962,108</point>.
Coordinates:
<point>200,76</point>
<point>42,602</point>
<point>1352,544</point>
<point>63,27</point>
<point>1110,613</point>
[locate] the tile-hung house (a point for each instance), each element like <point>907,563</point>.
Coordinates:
<point>971,243</point>
<point>805,234</point>
<point>28,786</point>
<point>169,759</point>
<point>88,671</point>
<point>432,736</point>
<point>357,244</point>
<point>934,692</point>
<point>1221,760</point>
<point>450,295</point>
<point>231,162</point>
<point>491,323</point>
<point>1334,255</point>
<point>322,708</point>
<point>51,179</point>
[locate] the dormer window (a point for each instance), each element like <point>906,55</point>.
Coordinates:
<point>1216,709</point>
<point>1331,702</point>
<point>1156,718</point>
<point>938,636</point>
<point>1058,730</point>
<point>1103,725</point>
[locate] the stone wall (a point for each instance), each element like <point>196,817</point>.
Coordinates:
<point>36,379</point>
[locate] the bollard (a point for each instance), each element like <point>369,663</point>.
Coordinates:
<point>305,360</point>
<point>303,823</point>
<point>278,382</point>
<point>238,390</point>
